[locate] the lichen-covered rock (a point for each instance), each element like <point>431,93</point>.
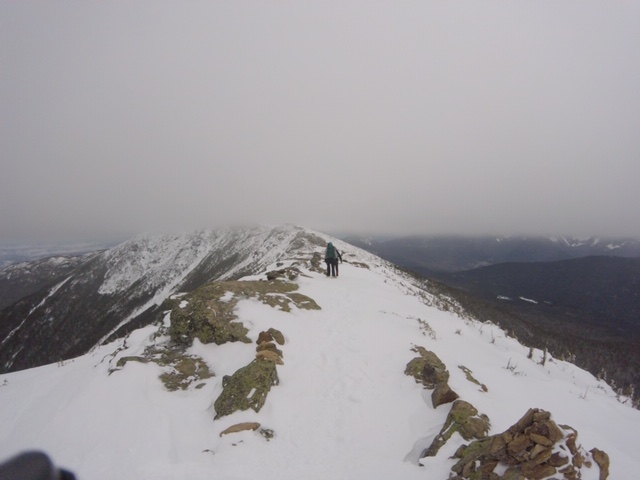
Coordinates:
<point>427,369</point>
<point>247,388</point>
<point>535,447</point>
<point>180,370</point>
<point>464,419</point>
<point>207,317</point>
<point>208,313</point>
<point>472,379</point>
<point>186,370</point>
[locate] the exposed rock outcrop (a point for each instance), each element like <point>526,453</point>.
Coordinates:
<point>289,273</point>
<point>535,447</point>
<point>248,387</point>
<point>208,313</point>
<point>429,370</point>
<point>464,419</point>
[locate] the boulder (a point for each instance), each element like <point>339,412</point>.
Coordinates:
<point>443,394</point>
<point>277,335</point>
<point>264,337</point>
<point>247,388</point>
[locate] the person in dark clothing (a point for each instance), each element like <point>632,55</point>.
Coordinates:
<point>331,257</point>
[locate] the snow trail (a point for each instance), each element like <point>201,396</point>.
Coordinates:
<point>336,362</point>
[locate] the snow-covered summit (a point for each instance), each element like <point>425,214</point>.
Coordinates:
<point>343,408</point>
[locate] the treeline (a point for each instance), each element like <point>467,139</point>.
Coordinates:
<point>608,355</point>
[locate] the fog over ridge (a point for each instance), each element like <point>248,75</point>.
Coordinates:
<point>412,118</point>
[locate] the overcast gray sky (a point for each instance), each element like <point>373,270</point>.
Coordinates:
<point>385,117</point>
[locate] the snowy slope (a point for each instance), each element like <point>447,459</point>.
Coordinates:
<point>109,290</point>
<point>343,409</point>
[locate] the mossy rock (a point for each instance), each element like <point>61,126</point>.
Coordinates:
<point>472,379</point>
<point>464,419</point>
<point>123,361</point>
<point>317,263</point>
<point>185,371</point>
<point>247,388</point>
<point>427,369</point>
<point>211,319</point>
<point>181,370</point>
<point>208,318</point>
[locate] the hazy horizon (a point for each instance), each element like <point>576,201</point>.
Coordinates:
<point>418,117</point>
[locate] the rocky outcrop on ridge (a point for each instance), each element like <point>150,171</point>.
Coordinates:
<point>208,313</point>
<point>534,448</point>
<point>464,419</point>
<point>429,370</point>
<point>248,387</point>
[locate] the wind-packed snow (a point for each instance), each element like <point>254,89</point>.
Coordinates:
<point>344,409</point>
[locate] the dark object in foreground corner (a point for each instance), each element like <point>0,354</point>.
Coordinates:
<point>32,466</point>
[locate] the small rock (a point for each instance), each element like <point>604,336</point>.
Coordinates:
<point>602,459</point>
<point>277,335</point>
<point>264,337</point>
<point>241,427</point>
<point>541,440</point>
<point>269,356</point>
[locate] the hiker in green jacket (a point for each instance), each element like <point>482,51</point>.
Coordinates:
<point>331,256</point>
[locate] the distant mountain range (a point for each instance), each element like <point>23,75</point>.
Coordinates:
<point>435,254</point>
<point>12,254</point>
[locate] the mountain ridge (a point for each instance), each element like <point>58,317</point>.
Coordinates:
<point>446,254</point>
<point>343,407</point>
<point>127,283</point>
